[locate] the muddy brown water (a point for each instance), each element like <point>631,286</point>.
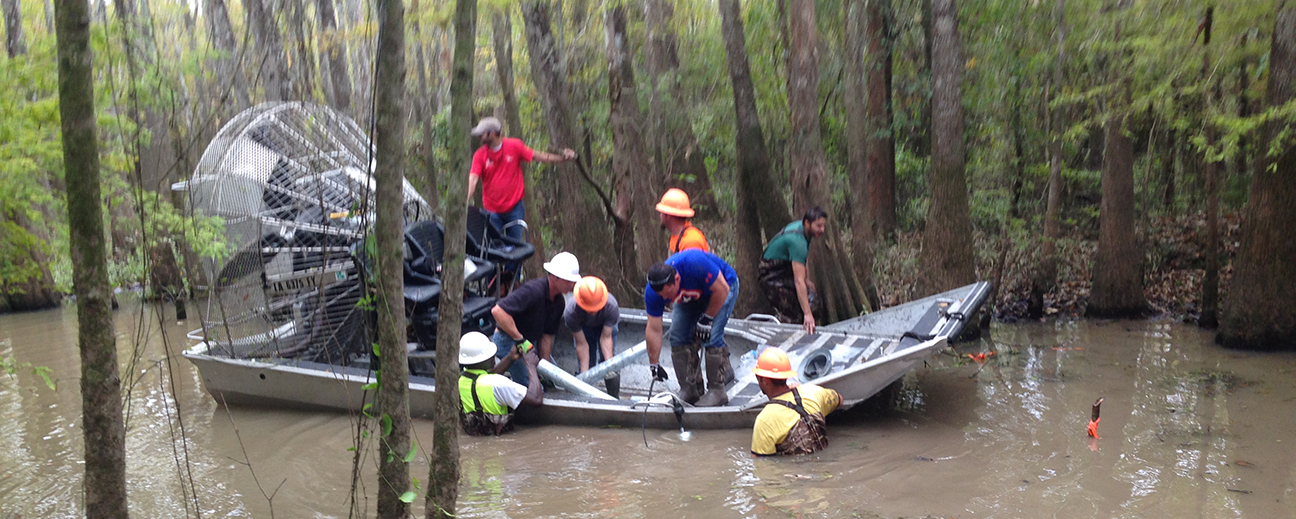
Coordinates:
<point>1188,430</point>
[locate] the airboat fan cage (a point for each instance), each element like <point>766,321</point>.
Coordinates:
<point>292,182</point>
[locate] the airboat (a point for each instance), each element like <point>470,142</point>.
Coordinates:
<point>285,320</point>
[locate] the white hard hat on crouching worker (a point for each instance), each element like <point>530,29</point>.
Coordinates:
<point>564,266</point>
<point>475,347</point>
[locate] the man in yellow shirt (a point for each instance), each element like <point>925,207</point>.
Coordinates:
<point>675,212</point>
<point>793,421</point>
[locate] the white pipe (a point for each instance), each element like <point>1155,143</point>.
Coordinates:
<point>568,382</point>
<point>621,360</point>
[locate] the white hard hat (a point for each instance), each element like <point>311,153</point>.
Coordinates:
<point>475,347</point>
<point>564,266</point>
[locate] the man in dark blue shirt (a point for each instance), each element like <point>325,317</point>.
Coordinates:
<point>703,289</point>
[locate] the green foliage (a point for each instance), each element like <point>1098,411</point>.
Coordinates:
<point>10,366</point>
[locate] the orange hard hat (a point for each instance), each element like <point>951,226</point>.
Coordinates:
<point>675,202</point>
<point>774,363</point>
<point>591,294</point>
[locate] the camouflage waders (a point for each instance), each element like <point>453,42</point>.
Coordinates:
<point>809,435</point>
<point>779,285</point>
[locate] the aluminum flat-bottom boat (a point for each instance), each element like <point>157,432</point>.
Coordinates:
<point>858,358</point>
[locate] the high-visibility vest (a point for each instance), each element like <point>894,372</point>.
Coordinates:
<point>483,393</point>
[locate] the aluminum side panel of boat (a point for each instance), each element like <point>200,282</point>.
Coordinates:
<point>255,383</point>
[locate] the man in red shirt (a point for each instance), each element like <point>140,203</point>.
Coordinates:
<point>498,166</point>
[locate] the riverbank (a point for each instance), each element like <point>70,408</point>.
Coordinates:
<point>1173,267</point>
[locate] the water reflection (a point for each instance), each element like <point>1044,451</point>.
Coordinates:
<point>1188,429</point>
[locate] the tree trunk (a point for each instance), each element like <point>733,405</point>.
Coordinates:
<point>879,167</point>
<point>392,400</point>
<point>577,228</point>
<point>502,40</point>
<point>443,477</point>
<point>1117,275</point>
<point>1243,110</point>
<point>760,206</point>
<point>870,151</point>
<point>425,110</point>
<point>1265,270</point>
<point>753,156</point>
<point>228,67</point>
<point>1045,276</point>
<point>335,52</point>
<point>15,42</point>
<point>630,158</point>
<point>674,144</point>
<point>102,425</point>
<point>922,144</point>
<point>303,63</point>
<point>810,177</point>
<point>269,61</point>
<point>1210,281</point>
<point>947,260</point>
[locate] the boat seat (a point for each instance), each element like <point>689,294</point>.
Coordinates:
<point>422,294</point>
<point>426,241</point>
<point>476,317</point>
<point>489,243</point>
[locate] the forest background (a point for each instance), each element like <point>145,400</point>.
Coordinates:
<point>1054,103</point>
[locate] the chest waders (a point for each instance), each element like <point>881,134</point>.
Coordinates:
<point>808,435</point>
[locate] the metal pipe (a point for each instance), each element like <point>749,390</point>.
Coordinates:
<point>568,382</point>
<point>621,360</point>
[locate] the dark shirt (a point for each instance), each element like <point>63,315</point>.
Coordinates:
<point>534,312</point>
<point>578,319</point>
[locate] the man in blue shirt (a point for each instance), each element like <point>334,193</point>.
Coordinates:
<point>703,289</point>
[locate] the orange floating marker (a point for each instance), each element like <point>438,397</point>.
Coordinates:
<point>1094,419</point>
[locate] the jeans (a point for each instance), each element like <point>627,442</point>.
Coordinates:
<point>518,371</point>
<point>518,212</point>
<point>592,336</point>
<point>684,318</point>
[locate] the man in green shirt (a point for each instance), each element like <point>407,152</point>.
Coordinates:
<point>783,269</point>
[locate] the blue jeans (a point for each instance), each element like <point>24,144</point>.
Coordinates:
<point>518,371</point>
<point>684,318</point>
<point>592,336</point>
<point>518,212</point>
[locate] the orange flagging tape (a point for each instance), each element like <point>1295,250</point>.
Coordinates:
<point>1093,419</point>
<point>980,358</point>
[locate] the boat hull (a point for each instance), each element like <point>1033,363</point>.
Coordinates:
<point>857,358</point>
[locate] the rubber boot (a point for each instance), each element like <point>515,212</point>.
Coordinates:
<point>612,383</point>
<point>718,374</point>
<point>688,371</point>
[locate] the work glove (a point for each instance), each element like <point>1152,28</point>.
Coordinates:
<point>658,372</point>
<point>702,332</point>
<point>523,346</point>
